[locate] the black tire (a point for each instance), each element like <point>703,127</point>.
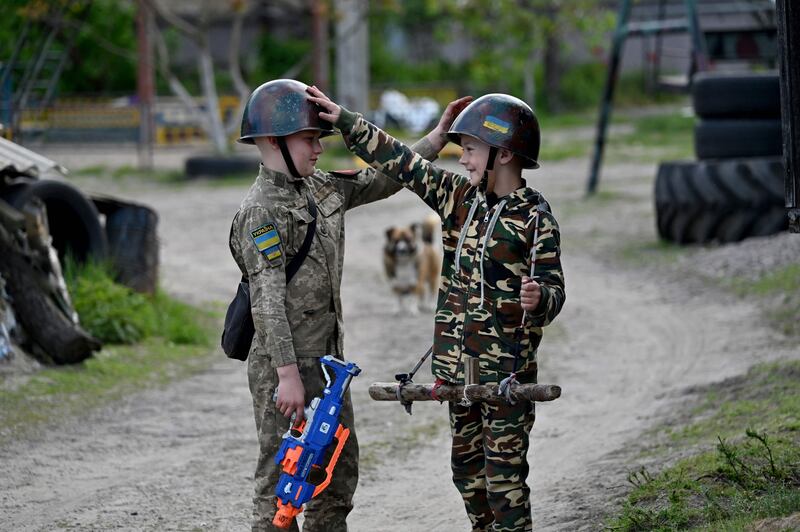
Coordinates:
<point>73,219</point>
<point>132,242</point>
<point>217,166</point>
<point>736,95</point>
<point>728,139</point>
<point>722,201</point>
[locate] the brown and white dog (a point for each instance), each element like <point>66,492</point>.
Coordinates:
<point>412,262</point>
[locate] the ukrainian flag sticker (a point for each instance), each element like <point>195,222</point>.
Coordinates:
<point>267,241</point>
<point>495,124</point>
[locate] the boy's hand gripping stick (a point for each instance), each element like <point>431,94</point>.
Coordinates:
<point>304,448</point>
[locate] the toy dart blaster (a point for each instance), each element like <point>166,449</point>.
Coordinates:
<point>305,448</point>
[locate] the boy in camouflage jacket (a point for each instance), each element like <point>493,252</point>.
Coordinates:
<point>501,283</point>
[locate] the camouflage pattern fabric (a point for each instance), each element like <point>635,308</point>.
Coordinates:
<point>478,312</point>
<point>487,250</point>
<point>328,511</point>
<point>489,463</point>
<point>301,321</point>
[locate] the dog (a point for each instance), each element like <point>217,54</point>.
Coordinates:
<point>412,262</point>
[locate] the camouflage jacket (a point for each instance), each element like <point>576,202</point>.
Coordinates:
<point>303,318</point>
<point>487,250</point>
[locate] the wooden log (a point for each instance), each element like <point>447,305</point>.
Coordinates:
<point>486,393</point>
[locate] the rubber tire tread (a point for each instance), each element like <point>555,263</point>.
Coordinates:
<point>723,201</point>
<point>727,139</point>
<point>72,218</point>
<point>132,242</point>
<point>736,95</point>
<point>209,165</point>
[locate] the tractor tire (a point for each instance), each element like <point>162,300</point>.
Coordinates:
<point>218,166</point>
<point>72,218</point>
<point>728,139</point>
<point>720,201</point>
<point>736,95</point>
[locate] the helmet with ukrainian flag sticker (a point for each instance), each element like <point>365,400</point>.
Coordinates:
<point>501,121</point>
<point>279,108</point>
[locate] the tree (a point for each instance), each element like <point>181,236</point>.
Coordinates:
<point>207,114</point>
<point>512,36</point>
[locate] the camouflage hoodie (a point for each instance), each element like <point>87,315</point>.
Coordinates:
<point>487,250</point>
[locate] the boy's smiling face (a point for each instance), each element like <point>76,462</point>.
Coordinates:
<point>305,148</point>
<point>476,153</point>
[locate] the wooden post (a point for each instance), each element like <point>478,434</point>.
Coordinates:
<point>788,21</point>
<point>486,393</point>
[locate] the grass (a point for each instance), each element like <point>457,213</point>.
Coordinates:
<point>116,314</point>
<point>739,475</point>
<point>149,340</point>
<point>56,392</point>
<point>782,287</point>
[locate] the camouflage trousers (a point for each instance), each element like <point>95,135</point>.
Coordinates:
<point>328,511</point>
<point>490,444</point>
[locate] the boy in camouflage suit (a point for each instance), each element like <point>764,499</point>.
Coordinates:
<point>299,321</point>
<point>495,232</point>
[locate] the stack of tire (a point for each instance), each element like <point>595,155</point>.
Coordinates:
<point>735,189</point>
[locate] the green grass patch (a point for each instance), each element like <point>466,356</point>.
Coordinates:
<point>651,252</point>
<point>160,176</point>
<point>116,314</point>
<point>667,136</point>
<point>559,151</point>
<point>149,340</point>
<point>782,286</point>
<point>56,392</point>
<point>738,475</point>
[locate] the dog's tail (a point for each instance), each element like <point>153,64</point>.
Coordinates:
<point>429,226</point>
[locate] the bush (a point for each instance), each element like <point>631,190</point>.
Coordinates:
<point>115,314</point>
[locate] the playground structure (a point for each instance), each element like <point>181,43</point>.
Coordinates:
<point>706,201</point>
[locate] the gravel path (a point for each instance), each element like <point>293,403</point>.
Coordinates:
<point>630,340</point>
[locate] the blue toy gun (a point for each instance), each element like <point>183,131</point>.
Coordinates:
<point>305,447</point>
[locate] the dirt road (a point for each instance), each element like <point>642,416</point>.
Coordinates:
<point>631,338</point>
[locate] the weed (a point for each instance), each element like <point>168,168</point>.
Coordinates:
<point>741,479</point>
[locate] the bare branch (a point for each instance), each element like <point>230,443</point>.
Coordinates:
<point>175,21</point>
<point>234,66</point>
<point>174,83</point>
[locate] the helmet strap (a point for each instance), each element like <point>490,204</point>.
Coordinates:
<point>287,157</point>
<point>484,184</point>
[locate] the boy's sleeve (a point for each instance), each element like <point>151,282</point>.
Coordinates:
<point>396,160</point>
<point>547,270</point>
<point>261,239</point>
<point>368,185</point>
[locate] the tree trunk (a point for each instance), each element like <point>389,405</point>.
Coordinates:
<point>485,393</point>
<point>352,54</point>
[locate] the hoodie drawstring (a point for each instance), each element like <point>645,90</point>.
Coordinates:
<point>489,231</point>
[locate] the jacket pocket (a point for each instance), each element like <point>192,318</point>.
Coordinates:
<point>506,318</point>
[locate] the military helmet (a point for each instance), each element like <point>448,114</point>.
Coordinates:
<point>281,107</point>
<point>502,121</point>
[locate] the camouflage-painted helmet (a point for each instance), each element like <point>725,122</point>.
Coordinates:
<point>502,121</point>
<point>281,107</point>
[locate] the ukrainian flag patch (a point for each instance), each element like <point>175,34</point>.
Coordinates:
<point>495,124</point>
<point>267,241</point>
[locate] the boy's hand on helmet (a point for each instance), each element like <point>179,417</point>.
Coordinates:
<point>530,294</point>
<point>453,109</point>
<point>332,110</point>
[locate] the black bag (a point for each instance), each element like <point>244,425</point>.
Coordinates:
<point>238,332</point>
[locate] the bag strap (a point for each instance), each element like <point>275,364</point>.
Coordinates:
<point>297,260</point>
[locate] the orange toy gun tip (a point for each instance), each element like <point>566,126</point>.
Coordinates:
<point>285,514</point>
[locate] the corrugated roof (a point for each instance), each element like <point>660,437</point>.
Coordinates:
<point>25,161</point>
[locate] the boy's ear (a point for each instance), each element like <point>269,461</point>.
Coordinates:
<point>504,156</point>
